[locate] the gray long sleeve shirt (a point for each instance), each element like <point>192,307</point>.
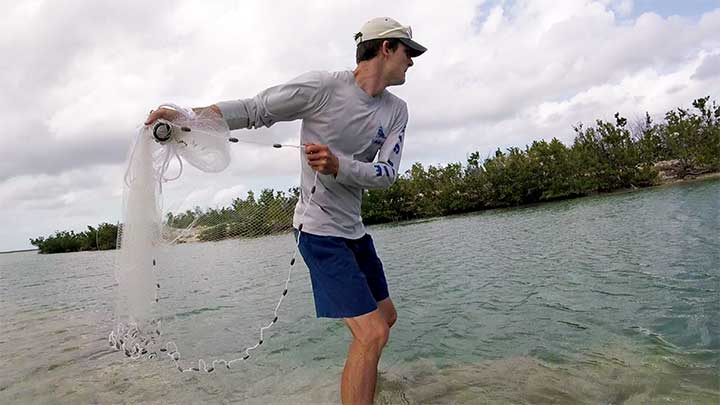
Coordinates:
<point>356,127</point>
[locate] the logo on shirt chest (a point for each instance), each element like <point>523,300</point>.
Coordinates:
<point>380,136</point>
<point>370,150</point>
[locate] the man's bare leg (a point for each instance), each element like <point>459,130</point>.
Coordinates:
<point>370,334</point>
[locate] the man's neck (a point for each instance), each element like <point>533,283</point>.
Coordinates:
<point>368,76</point>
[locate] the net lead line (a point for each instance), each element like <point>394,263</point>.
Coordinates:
<point>202,365</point>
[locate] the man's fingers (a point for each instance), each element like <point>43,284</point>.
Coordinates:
<point>318,162</point>
<point>321,159</point>
<point>312,148</point>
<point>321,164</point>
<point>163,113</point>
<point>317,156</point>
<point>315,152</point>
<point>154,115</point>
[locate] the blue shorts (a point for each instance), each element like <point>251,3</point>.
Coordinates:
<point>346,274</point>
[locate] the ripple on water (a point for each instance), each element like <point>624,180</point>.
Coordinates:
<point>608,299</point>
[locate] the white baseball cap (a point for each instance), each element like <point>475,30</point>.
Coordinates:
<point>386,28</point>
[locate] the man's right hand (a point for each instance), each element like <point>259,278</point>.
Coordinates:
<point>161,113</point>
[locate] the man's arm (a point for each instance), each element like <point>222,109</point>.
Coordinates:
<point>383,172</point>
<point>286,102</point>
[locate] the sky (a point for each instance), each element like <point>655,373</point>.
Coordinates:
<point>79,77</point>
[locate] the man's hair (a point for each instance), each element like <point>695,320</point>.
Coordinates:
<point>367,50</point>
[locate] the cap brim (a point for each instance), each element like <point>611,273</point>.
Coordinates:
<point>415,48</point>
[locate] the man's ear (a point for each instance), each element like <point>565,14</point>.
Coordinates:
<point>385,48</point>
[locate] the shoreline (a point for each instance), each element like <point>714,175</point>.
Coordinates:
<point>18,251</point>
<point>688,179</point>
<point>661,183</point>
<point>191,235</point>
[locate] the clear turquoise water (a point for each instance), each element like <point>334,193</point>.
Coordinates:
<point>608,299</point>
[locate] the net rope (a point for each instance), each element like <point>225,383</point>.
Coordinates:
<point>201,139</point>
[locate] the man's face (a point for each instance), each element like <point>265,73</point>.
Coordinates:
<point>397,64</point>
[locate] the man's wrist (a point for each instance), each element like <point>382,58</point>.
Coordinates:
<point>343,169</point>
<point>214,108</point>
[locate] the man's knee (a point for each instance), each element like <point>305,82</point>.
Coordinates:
<point>377,337</point>
<point>387,309</point>
<point>391,319</point>
<point>373,335</point>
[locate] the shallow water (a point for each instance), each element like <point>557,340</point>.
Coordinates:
<point>608,299</point>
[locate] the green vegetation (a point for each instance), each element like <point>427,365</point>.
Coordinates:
<point>606,157</point>
<point>104,237</point>
<point>271,213</point>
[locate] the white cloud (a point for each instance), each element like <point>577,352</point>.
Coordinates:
<point>493,21</point>
<point>225,196</point>
<point>78,80</point>
<point>710,68</point>
<point>623,8</point>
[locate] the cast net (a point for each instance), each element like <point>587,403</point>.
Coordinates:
<point>152,236</point>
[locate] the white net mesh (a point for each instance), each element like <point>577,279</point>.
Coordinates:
<point>146,233</point>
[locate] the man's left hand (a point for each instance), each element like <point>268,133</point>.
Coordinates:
<point>321,159</point>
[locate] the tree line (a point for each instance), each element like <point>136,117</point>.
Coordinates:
<point>608,156</point>
<point>104,237</point>
<point>605,157</point>
<point>270,213</point>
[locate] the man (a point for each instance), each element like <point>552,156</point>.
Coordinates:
<point>348,118</point>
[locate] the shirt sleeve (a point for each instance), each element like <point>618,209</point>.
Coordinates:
<point>287,102</point>
<point>384,171</point>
